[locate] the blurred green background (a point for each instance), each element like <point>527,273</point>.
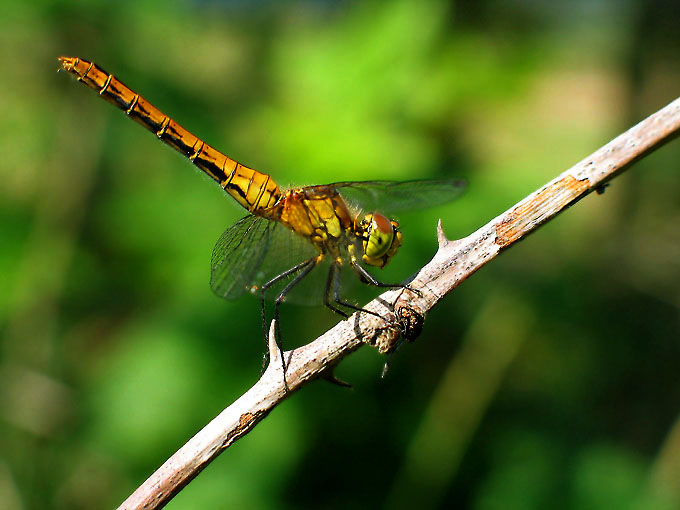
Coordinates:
<point>549,379</point>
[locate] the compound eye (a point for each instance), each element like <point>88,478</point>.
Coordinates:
<point>380,236</point>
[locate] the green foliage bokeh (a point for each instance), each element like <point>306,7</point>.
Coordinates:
<point>549,379</point>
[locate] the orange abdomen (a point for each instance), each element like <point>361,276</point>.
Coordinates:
<point>254,190</point>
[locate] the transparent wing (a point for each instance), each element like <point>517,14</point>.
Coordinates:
<point>394,196</point>
<point>238,254</point>
<point>254,250</point>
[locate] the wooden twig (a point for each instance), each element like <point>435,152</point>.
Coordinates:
<point>453,263</point>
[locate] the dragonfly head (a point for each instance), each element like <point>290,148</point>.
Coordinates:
<point>380,239</point>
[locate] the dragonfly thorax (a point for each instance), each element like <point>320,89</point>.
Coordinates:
<point>380,238</point>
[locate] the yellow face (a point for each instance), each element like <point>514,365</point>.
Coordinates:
<point>380,239</point>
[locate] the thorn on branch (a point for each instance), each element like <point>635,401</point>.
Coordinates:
<point>330,376</point>
<point>275,354</point>
<point>276,359</point>
<point>601,188</point>
<point>441,237</point>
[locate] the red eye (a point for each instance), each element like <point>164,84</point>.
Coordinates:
<point>382,223</point>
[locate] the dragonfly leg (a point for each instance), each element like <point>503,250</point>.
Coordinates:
<point>302,269</point>
<point>369,279</point>
<point>333,283</point>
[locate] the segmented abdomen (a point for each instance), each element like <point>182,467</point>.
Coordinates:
<point>252,189</point>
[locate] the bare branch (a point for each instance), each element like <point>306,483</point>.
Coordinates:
<point>453,263</point>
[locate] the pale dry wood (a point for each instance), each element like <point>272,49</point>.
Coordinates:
<point>453,263</point>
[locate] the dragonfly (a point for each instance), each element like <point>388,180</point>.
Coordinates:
<point>286,233</point>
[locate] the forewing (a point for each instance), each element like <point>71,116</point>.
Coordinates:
<point>253,251</point>
<point>395,196</point>
<point>238,254</point>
